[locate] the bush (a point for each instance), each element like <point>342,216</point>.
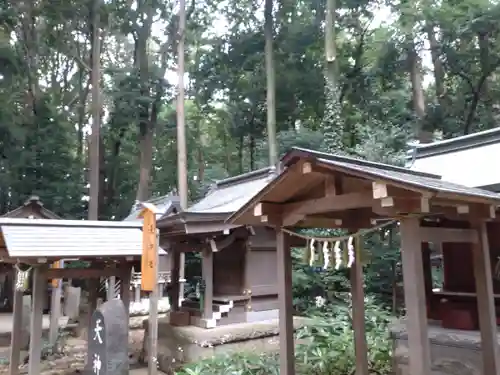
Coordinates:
<point>328,347</point>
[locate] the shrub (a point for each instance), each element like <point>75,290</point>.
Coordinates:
<point>327,348</point>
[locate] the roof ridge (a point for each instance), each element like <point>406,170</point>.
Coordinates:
<point>359,161</point>
<point>245,177</point>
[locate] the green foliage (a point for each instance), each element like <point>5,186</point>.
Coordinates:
<point>326,347</point>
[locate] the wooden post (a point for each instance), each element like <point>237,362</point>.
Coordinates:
<point>486,302</point>
<point>153,318</point>
<point>286,331</point>
<point>137,292</point>
<point>208,278</point>
<point>358,313</point>
<point>17,326</point>
<point>414,290</point>
<point>125,276</point>
<point>39,290</point>
<point>55,307</point>
<point>175,289</point>
<point>55,313</point>
<point>427,269</point>
<point>110,293</point>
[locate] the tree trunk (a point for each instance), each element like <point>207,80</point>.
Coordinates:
<point>417,90</point>
<point>94,159</point>
<point>146,128</point>
<point>182,167</point>
<point>439,73</point>
<point>333,124</point>
<point>330,48</point>
<point>271,83</point>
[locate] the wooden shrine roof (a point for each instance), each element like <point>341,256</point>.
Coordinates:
<point>324,190</point>
<point>225,197</point>
<point>32,207</point>
<point>166,205</point>
<point>60,239</point>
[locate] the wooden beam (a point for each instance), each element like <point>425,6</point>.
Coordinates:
<point>81,273</point>
<point>330,203</point>
<point>285,299</point>
<point>465,211</point>
<point>440,235</point>
<point>420,205</point>
<point>331,186</point>
<point>264,208</point>
<point>383,190</point>
<point>333,223</point>
<point>414,292</point>
<point>486,302</point>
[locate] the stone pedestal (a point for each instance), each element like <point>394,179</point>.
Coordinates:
<point>453,352</point>
<point>178,345</point>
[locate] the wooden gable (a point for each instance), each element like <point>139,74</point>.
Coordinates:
<point>32,209</point>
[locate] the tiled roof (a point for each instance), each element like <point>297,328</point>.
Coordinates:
<point>231,194</point>
<point>397,174</point>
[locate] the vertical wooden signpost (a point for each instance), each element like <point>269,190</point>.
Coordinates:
<point>55,309</point>
<point>149,278</point>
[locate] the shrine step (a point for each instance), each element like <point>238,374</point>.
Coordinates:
<point>217,306</point>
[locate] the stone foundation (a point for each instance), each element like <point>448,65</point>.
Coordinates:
<point>453,352</point>
<point>178,345</point>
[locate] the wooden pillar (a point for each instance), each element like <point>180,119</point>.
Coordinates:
<point>55,311</point>
<point>182,277</point>
<point>358,313</point>
<point>110,293</point>
<point>55,307</point>
<point>286,331</point>
<point>174,292</point>
<point>39,289</point>
<point>137,292</point>
<point>414,289</point>
<point>485,302</point>
<point>153,317</point>
<point>208,278</point>
<point>125,275</point>
<point>17,326</point>
<point>427,269</point>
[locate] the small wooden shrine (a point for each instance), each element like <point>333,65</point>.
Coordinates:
<point>329,191</point>
<point>238,262</point>
<point>32,208</point>
<point>465,160</point>
<point>38,245</point>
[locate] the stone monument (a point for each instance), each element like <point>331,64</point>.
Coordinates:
<point>108,340</point>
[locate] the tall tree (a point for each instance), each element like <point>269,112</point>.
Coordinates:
<point>271,82</point>
<point>95,142</point>
<point>182,166</point>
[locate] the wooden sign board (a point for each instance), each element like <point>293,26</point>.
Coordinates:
<point>149,250</point>
<point>55,282</point>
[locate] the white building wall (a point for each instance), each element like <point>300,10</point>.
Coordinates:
<point>474,167</point>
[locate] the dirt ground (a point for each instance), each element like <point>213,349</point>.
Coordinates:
<point>73,358</point>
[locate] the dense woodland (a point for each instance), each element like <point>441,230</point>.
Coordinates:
<point>361,77</point>
<point>384,72</point>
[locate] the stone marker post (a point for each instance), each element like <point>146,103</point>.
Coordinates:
<point>108,340</point>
